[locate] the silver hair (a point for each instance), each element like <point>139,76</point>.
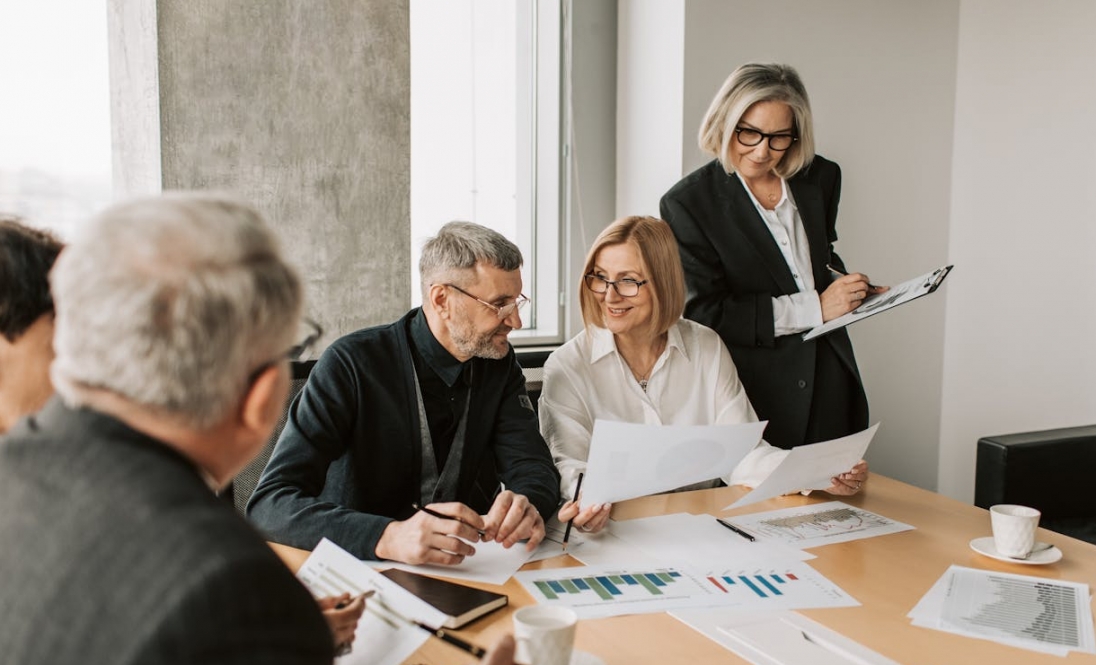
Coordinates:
<point>749,84</point>
<point>458,247</point>
<point>171,302</point>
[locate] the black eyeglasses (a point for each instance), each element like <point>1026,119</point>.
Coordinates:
<point>502,312</point>
<point>626,288</point>
<point>751,137</point>
<point>295,352</point>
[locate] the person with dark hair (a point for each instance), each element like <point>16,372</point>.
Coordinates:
<point>26,319</point>
<point>755,228</point>
<point>429,411</point>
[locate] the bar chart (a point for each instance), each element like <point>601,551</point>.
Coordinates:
<point>599,591</point>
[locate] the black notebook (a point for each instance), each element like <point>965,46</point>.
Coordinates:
<point>461,603</point>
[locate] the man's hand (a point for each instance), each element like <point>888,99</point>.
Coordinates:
<point>513,518</point>
<point>424,538</point>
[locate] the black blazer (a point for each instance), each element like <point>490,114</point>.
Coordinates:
<point>733,269</point>
<point>116,551</point>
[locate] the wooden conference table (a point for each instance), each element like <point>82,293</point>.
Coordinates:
<point>887,574</point>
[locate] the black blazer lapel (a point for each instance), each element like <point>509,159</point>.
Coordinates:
<point>808,198</point>
<point>739,208</point>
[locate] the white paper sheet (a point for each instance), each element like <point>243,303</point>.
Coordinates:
<point>779,638</point>
<point>627,460</point>
<point>1036,613</point>
<point>603,591</point>
<point>811,467</point>
<point>331,570</point>
<point>817,524</point>
<point>491,564</point>
<point>700,540</point>
<point>898,294</point>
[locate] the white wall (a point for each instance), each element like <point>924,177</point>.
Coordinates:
<point>649,66</point>
<point>1021,311</point>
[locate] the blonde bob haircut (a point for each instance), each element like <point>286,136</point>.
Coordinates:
<point>749,84</point>
<point>661,266</point>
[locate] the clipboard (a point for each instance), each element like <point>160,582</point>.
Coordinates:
<point>899,294</point>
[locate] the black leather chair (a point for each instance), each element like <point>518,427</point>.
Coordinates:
<point>1052,470</point>
<point>243,485</point>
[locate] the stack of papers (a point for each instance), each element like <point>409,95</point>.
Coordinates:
<point>779,638</point>
<point>1050,616</point>
<point>817,524</point>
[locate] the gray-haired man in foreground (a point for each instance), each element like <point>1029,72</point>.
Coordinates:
<point>173,317</point>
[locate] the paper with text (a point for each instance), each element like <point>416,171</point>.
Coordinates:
<point>811,467</point>
<point>629,460</point>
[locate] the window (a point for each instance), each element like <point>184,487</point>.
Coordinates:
<point>485,137</point>
<point>55,162</point>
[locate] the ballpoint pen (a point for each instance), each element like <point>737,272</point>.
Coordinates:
<point>443,516</point>
<point>832,268</point>
<point>570,522</point>
<point>736,530</point>
<point>439,633</point>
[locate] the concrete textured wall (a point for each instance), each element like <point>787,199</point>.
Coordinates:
<point>302,108</point>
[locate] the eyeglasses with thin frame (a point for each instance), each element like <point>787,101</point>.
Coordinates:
<point>625,288</point>
<point>502,312</point>
<point>295,352</point>
<point>751,137</point>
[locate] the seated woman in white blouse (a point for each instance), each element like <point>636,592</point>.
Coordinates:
<point>638,361</point>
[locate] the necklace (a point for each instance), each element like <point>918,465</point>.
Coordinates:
<point>643,378</point>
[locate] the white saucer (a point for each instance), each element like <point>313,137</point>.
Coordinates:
<point>585,658</point>
<point>985,546</point>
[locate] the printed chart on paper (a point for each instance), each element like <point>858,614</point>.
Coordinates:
<point>818,524</point>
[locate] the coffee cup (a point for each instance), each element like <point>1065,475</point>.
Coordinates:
<point>545,634</point>
<point>1014,529</point>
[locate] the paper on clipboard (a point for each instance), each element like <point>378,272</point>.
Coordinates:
<point>898,294</point>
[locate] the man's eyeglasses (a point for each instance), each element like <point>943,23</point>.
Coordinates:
<point>295,352</point>
<point>751,137</point>
<point>502,312</point>
<point>627,287</point>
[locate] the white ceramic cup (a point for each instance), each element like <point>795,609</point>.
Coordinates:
<point>545,634</point>
<point>1014,529</point>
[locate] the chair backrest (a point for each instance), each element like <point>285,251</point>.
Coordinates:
<point>243,485</point>
<point>1051,470</point>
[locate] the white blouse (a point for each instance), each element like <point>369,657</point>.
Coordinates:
<point>694,382</point>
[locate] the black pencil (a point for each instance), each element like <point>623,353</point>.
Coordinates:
<point>567,531</point>
<point>443,516</point>
<point>476,651</point>
<point>736,530</point>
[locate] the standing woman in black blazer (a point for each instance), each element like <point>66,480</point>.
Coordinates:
<point>755,229</point>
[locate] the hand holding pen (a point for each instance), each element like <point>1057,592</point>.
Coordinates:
<point>440,533</point>
<point>590,519</point>
<point>846,293</point>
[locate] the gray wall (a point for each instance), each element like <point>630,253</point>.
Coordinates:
<point>302,108</point>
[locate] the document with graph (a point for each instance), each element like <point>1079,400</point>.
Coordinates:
<point>604,591</point>
<point>818,524</point>
<point>899,294</point>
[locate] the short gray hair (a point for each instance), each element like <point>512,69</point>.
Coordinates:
<point>749,84</point>
<point>458,247</point>
<point>171,302</point>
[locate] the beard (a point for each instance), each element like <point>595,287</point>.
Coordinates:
<point>480,345</point>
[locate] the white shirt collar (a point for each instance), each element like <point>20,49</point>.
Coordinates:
<point>602,342</point>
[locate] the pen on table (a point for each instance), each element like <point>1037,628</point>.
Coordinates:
<point>832,268</point>
<point>736,530</point>
<point>570,522</point>
<point>439,633</point>
<point>443,516</point>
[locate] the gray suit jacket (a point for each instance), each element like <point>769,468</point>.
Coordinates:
<point>114,550</point>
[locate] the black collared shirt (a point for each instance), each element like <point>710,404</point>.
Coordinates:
<point>444,382</point>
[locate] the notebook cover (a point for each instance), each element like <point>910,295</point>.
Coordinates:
<point>461,603</point>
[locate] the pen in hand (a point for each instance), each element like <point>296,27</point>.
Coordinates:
<point>443,516</point>
<point>834,269</point>
<point>736,530</point>
<point>570,522</point>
